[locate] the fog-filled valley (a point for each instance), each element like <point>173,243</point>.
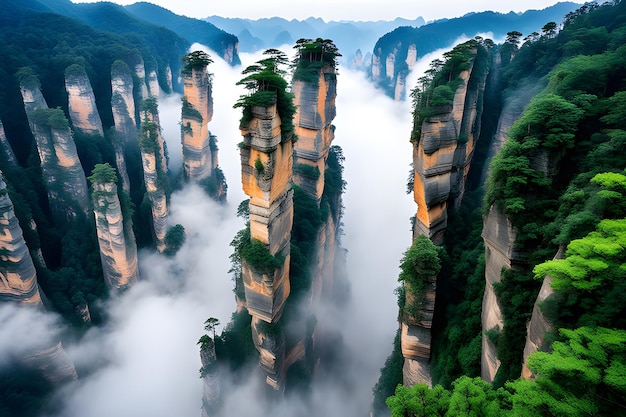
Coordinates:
<point>433,225</point>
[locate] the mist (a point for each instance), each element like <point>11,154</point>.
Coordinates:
<point>145,360</point>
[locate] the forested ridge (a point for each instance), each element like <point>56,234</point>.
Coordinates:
<point>560,180</point>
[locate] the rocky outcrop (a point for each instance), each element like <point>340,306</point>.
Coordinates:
<point>442,156</point>
<point>500,253</point>
<point>81,102</point>
<point>211,391</point>
<point>123,109</point>
<point>415,336</point>
<point>18,278</point>
<point>140,72</point>
<point>198,158</point>
<point>267,163</point>
<point>6,151</point>
<point>118,250</point>
<point>154,163</point>
<point>152,81</point>
<point>18,284</point>
<point>62,172</point>
<point>313,118</point>
<point>539,324</point>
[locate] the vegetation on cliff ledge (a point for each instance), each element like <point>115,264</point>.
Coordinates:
<point>311,57</point>
<point>267,86</point>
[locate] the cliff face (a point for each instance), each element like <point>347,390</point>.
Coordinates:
<point>65,181</point>
<point>18,284</point>
<point>390,71</point>
<point>210,380</point>
<point>118,250</point>
<point>18,279</point>
<point>198,160</point>
<point>81,102</point>
<point>415,337</point>
<point>267,164</point>
<point>500,253</point>
<point>6,151</point>
<point>316,111</point>
<point>123,109</point>
<point>154,164</point>
<point>442,157</point>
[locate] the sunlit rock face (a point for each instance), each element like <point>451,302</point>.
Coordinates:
<point>123,109</point>
<point>538,326</point>
<point>411,56</point>
<point>442,157</point>
<point>81,102</point>
<point>198,161</point>
<point>118,250</point>
<point>18,278</point>
<point>500,253</point>
<point>155,170</point>
<point>230,52</point>
<point>415,336</point>
<point>62,172</point>
<point>266,174</point>
<point>140,72</point>
<point>18,284</point>
<point>211,391</point>
<point>315,112</point>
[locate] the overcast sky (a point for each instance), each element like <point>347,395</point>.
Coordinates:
<point>344,10</point>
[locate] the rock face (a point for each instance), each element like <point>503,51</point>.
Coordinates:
<point>499,237</point>
<point>18,284</point>
<point>267,164</point>
<point>415,337</point>
<point>81,102</point>
<point>316,111</point>
<point>539,324</point>
<point>6,151</point>
<point>390,71</point>
<point>211,392</point>
<point>118,250</point>
<point>18,279</point>
<point>65,181</point>
<point>198,159</point>
<point>154,163</point>
<point>123,108</point>
<point>442,157</point>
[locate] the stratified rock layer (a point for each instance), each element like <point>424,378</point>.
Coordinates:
<point>211,391</point>
<point>123,108</point>
<point>81,102</point>
<point>18,284</point>
<point>154,163</point>
<point>500,253</point>
<point>267,164</point>
<point>442,157</point>
<point>18,279</point>
<point>315,113</point>
<point>197,112</point>
<point>118,250</point>
<point>62,172</point>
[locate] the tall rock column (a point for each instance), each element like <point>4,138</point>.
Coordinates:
<point>154,163</point>
<point>118,250</point>
<point>197,112</point>
<point>65,180</point>
<point>81,102</point>
<point>123,108</point>
<point>443,152</point>
<point>18,284</point>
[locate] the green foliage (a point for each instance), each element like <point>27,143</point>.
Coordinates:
<point>174,239</point>
<point>390,376</point>
<point>307,170</point>
<point>102,174</point>
<point>312,56</point>
<point>419,263</point>
<point>258,166</point>
<point>235,347</point>
<point>195,60</point>
<point>24,392</point>
<point>190,112</point>
<point>266,85</point>
<point>52,118</point>
<point>256,254</point>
